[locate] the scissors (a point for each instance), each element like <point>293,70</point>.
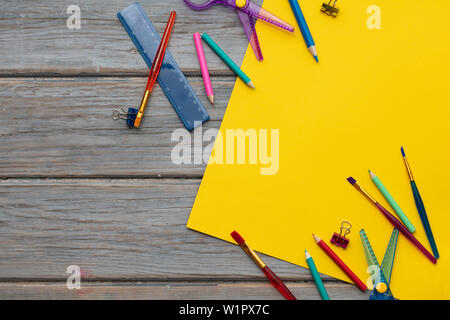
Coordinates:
<point>248,12</point>
<point>380,276</point>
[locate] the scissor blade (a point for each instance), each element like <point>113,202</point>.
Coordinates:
<point>249,27</point>
<point>260,13</point>
<point>388,260</point>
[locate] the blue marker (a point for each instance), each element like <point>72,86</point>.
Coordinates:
<point>304,28</point>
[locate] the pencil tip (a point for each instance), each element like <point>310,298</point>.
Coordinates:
<point>251,85</point>
<point>317,59</point>
<point>307,255</point>
<point>403,151</point>
<point>372,175</point>
<point>316,238</point>
<point>211,99</point>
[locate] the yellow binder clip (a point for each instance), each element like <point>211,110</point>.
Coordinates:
<point>329,9</point>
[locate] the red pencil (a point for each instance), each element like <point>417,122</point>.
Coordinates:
<point>274,280</point>
<point>156,67</point>
<point>340,263</point>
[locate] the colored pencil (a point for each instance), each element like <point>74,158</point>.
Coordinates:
<point>393,220</point>
<point>274,280</point>
<point>340,263</point>
<point>420,207</point>
<point>304,28</point>
<point>156,67</point>
<point>392,202</point>
<point>233,66</point>
<point>204,67</point>
<point>315,274</point>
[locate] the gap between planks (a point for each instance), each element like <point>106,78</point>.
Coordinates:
<point>188,73</point>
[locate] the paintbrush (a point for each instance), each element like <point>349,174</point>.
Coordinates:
<point>420,207</point>
<point>393,220</point>
<point>274,280</point>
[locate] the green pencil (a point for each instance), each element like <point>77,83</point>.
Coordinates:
<point>392,202</point>
<point>233,66</point>
<point>316,276</point>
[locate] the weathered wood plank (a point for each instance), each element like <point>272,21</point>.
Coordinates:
<point>114,229</point>
<point>34,37</point>
<point>213,290</point>
<point>63,128</point>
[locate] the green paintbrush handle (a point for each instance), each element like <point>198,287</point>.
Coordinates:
<point>393,204</point>
<point>423,216</point>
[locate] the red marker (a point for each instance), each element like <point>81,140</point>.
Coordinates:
<point>340,263</point>
<point>274,280</point>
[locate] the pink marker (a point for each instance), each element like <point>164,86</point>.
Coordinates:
<point>204,67</point>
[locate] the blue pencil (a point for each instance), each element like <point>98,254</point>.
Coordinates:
<point>304,28</point>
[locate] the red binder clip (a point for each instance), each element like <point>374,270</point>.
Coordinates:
<point>339,239</point>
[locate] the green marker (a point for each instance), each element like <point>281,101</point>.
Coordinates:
<point>316,276</point>
<point>392,202</point>
<point>233,66</point>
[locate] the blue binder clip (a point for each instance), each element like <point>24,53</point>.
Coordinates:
<point>129,116</point>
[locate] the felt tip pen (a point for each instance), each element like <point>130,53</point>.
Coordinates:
<point>392,202</point>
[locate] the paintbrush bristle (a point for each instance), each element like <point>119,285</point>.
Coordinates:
<point>351,180</point>
<point>403,151</point>
<point>237,237</point>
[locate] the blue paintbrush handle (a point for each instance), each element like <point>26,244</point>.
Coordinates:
<point>423,216</point>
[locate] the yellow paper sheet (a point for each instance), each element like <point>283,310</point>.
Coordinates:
<point>373,91</point>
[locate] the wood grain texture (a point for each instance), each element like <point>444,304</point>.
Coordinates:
<point>78,188</point>
<point>114,229</point>
<point>62,127</point>
<point>34,38</point>
<point>212,290</point>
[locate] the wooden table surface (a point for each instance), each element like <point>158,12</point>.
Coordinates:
<point>77,188</point>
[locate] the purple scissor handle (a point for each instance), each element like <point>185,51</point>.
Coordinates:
<point>247,11</point>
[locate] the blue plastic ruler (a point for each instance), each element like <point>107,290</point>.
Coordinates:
<point>171,80</point>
